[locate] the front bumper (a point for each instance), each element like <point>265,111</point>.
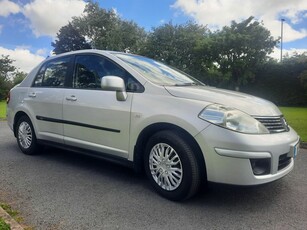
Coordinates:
<point>228,155</point>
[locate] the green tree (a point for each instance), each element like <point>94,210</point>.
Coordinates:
<point>299,65</point>
<point>238,49</point>
<point>6,69</point>
<point>176,45</point>
<point>69,39</point>
<point>303,79</point>
<point>107,31</point>
<point>18,77</point>
<point>6,66</point>
<point>283,83</point>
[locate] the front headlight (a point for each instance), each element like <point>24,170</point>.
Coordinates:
<point>232,119</point>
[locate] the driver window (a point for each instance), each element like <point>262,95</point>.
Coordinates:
<point>90,69</point>
<point>86,73</point>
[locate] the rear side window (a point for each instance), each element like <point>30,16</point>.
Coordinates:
<point>53,73</point>
<point>90,69</point>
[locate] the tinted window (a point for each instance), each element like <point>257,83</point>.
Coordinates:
<point>90,69</point>
<point>53,73</point>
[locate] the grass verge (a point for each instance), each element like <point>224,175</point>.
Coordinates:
<point>3,225</point>
<point>2,110</point>
<point>15,215</point>
<point>297,119</point>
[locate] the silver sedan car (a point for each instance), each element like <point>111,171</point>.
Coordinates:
<point>139,112</point>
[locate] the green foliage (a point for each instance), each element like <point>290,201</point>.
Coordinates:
<point>107,31</point>
<point>176,45</point>
<point>239,49</point>
<point>18,77</point>
<point>2,110</point>
<point>4,88</point>
<point>282,83</point>
<point>3,225</point>
<point>14,214</point>
<point>69,39</point>
<point>297,119</point>
<point>9,76</point>
<point>226,58</point>
<point>6,69</point>
<point>303,79</point>
<point>298,63</point>
<point>9,210</point>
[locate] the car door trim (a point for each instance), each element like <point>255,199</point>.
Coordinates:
<point>41,118</point>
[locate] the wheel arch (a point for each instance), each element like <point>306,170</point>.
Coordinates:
<point>17,116</point>
<point>150,130</point>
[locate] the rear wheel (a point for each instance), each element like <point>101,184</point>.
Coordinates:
<point>171,166</point>
<point>26,138</point>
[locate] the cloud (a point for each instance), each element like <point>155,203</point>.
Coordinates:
<point>8,7</point>
<point>289,33</point>
<point>48,16</point>
<point>286,52</point>
<point>41,52</point>
<point>217,14</point>
<point>24,59</point>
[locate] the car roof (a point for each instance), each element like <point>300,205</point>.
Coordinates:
<point>85,51</point>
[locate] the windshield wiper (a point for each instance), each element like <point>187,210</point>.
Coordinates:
<point>187,84</point>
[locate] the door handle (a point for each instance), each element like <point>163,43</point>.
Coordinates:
<point>32,94</point>
<point>71,98</point>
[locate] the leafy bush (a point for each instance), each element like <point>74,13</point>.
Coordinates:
<point>282,83</point>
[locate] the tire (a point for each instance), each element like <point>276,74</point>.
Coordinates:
<point>26,137</point>
<point>171,166</point>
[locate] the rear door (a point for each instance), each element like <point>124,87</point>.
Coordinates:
<point>45,98</point>
<point>95,119</point>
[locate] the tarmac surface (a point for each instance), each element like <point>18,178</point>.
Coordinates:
<point>62,190</point>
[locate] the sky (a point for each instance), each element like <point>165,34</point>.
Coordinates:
<point>27,27</point>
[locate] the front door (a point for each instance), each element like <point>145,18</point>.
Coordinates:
<point>94,119</point>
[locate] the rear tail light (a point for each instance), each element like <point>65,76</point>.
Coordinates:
<point>8,98</point>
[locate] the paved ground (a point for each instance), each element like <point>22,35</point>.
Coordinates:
<point>62,190</point>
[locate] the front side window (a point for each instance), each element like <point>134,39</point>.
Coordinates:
<point>53,73</point>
<point>90,69</point>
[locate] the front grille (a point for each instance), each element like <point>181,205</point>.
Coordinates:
<point>284,161</point>
<point>274,124</point>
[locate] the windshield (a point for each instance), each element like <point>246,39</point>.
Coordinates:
<point>157,72</point>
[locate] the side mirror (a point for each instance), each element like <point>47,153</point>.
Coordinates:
<point>113,83</point>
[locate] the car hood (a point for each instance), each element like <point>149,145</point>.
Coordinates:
<point>249,104</point>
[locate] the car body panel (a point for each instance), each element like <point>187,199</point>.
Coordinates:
<point>107,120</point>
<point>238,171</point>
<point>246,103</point>
<point>47,104</point>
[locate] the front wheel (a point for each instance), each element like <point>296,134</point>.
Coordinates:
<point>171,166</point>
<point>26,138</point>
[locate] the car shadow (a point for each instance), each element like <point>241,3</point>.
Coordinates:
<point>213,195</point>
<point>90,163</point>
